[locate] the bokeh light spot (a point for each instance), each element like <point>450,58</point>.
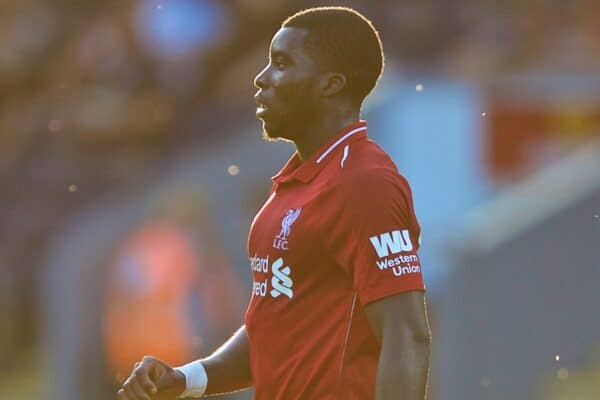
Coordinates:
<point>73,188</point>
<point>233,170</point>
<point>419,87</point>
<point>182,29</point>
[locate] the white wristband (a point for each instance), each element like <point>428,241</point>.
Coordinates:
<point>195,379</point>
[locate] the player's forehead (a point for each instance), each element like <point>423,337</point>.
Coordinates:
<point>288,42</point>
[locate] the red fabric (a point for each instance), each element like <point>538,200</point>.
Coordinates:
<point>309,337</point>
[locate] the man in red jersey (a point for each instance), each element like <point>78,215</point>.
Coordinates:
<point>337,308</point>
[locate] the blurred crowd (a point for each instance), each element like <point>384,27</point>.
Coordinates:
<point>98,97</point>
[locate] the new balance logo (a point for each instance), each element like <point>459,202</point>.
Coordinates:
<point>391,243</point>
<point>281,281</point>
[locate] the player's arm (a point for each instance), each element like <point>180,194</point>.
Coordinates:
<point>400,324</point>
<point>226,370</point>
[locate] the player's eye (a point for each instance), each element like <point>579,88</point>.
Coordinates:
<point>279,65</point>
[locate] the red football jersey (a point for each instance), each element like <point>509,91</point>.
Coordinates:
<point>337,233</point>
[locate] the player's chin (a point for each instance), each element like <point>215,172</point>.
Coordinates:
<point>267,137</point>
<point>269,133</point>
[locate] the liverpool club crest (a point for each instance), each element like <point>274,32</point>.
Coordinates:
<point>280,241</point>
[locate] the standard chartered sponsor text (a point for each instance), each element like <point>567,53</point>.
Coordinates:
<point>281,281</point>
<point>259,264</point>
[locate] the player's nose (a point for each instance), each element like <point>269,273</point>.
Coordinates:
<point>260,81</point>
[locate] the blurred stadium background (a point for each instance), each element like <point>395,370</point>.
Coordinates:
<point>131,165</point>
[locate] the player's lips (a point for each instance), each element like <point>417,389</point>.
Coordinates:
<point>261,106</point>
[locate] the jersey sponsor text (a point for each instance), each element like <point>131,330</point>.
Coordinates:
<point>396,261</point>
<point>391,242</point>
<point>281,282</point>
<point>259,264</point>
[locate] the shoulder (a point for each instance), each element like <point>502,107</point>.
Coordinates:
<point>368,166</point>
<point>369,175</point>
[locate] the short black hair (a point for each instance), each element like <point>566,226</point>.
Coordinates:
<point>343,40</point>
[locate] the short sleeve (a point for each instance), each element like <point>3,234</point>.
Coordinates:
<point>374,234</point>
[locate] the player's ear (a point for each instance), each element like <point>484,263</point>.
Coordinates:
<point>332,83</point>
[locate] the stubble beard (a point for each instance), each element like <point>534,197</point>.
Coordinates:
<point>270,137</point>
<point>267,137</point>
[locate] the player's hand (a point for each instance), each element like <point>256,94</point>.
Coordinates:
<point>152,379</point>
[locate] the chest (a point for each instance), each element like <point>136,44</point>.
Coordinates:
<point>287,241</point>
<point>290,223</point>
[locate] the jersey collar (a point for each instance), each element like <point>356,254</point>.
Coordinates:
<point>305,172</point>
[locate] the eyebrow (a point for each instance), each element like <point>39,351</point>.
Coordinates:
<point>280,54</point>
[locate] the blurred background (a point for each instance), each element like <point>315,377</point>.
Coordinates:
<point>131,165</point>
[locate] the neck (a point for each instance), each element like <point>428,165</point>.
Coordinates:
<point>318,131</point>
